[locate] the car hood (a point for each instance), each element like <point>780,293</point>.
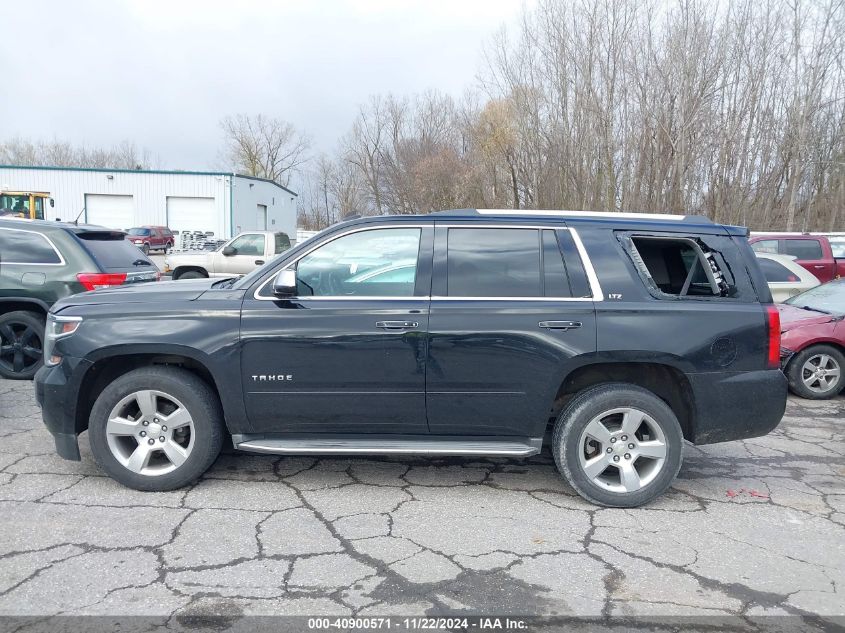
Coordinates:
<point>792,317</point>
<point>150,292</point>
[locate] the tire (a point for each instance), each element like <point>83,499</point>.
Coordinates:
<point>824,386</point>
<point>191,274</point>
<point>116,447</point>
<point>145,249</point>
<point>606,486</point>
<point>167,248</point>
<point>21,344</point>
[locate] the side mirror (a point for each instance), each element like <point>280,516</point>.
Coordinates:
<point>284,285</point>
<point>228,251</point>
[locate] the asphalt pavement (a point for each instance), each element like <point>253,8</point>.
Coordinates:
<point>751,528</point>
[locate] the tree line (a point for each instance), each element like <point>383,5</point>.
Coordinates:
<point>731,110</point>
<point>734,110</point>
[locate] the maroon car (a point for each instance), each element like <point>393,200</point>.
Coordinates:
<point>151,238</point>
<point>813,341</point>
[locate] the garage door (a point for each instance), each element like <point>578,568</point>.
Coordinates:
<point>113,212</point>
<point>191,214</point>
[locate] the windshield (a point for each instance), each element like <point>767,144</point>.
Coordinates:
<point>829,297</point>
<point>139,231</point>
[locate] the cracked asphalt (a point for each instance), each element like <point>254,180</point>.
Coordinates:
<point>750,528</point>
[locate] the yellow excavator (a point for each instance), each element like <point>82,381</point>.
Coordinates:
<point>24,204</point>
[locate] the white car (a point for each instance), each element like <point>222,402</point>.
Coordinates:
<point>785,277</point>
<point>242,254</point>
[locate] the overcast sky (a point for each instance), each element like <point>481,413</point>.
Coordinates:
<point>163,73</point>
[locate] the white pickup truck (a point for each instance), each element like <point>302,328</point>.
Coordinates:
<point>240,255</point>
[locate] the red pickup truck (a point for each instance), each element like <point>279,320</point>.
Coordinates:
<point>813,252</point>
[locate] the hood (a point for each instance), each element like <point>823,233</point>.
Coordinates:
<point>792,317</point>
<point>150,292</point>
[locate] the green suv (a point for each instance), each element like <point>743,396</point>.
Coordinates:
<point>41,262</point>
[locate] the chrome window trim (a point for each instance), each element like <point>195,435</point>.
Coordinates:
<point>595,286</point>
<point>61,262</point>
<point>358,229</point>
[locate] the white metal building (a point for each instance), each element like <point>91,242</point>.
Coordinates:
<point>224,203</point>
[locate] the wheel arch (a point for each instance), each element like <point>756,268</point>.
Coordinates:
<point>665,381</point>
<point>109,364</point>
<point>180,270</point>
<point>14,304</point>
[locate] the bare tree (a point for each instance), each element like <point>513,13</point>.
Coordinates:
<point>257,145</point>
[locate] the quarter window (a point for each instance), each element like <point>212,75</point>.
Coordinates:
<point>26,247</point>
<point>378,263</point>
<point>493,263</point>
<point>678,266</point>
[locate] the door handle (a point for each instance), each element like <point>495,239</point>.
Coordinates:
<point>818,265</point>
<point>259,262</point>
<point>396,325</point>
<point>560,325</point>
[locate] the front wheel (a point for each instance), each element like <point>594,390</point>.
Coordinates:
<point>618,445</point>
<point>817,373</point>
<point>156,428</point>
<point>190,274</point>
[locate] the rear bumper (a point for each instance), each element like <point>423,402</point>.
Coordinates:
<point>56,389</point>
<point>738,405</point>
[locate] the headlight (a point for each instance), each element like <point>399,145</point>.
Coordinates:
<point>58,327</point>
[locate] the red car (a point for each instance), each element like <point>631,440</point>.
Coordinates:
<point>813,341</point>
<point>813,252</point>
<point>151,238</point>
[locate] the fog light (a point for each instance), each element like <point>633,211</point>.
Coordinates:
<point>55,359</point>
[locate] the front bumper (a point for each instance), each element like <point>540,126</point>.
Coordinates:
<point>56,390</point>
<point>737,405</point>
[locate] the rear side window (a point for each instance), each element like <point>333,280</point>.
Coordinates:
<point>112,252</point>
<point>26,247</point>
<point>803,249</point>
<point>493,263</point>
<point>776,272</point>
<point>282,243</point>
<point>680,267</point>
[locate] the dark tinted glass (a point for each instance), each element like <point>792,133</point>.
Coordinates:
<point>574,266</point>
<point>493,263</point>
<point>282,243</point>
<point>775,272</point>
<point>113,253</point>
<point>24,247</point>
<point>803,249</point>
<point>555,279</point>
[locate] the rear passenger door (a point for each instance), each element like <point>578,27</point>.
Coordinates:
<point>808,253</point>
<point>508,316</point>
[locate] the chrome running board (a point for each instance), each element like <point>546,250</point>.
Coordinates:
<point>380,445</point>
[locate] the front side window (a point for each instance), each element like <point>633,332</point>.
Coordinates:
<point>251,244</point>
<point>493,263</point>
<point>803,249</point>
<point>26,247</point>
<point>373,263</point>
<point>765,246</point>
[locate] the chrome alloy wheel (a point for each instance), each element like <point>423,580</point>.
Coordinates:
<point>622,450</point>
<point>150,433</point>
<point>820,373</point>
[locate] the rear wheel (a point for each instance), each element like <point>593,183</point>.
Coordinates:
<point>618,445</point>
<point>21,344</point>
<point>817,373</point>
<point>156,428</point>
<point>167,248</point>
<point>190,274</point>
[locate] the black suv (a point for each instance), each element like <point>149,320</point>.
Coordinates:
<point>618,336</point>
<point>42,262</point>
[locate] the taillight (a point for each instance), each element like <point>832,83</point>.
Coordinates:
<point>773,323</point>
<point>92,281</point>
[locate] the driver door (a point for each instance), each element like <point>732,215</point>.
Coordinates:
<point>249,253</point>
<point>347,354</point>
